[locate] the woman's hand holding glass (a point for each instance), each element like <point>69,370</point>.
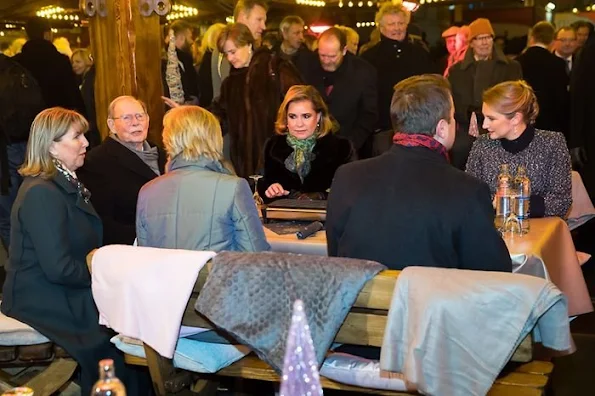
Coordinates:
<point>276,190</point>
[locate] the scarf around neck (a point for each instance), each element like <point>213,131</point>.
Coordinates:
<point>300,159</point>
<point>72,179</point>
<point>149,155</point>
<point>419,140</point>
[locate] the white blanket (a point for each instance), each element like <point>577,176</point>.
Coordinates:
<point>450,332</point>
<point>141,292</point>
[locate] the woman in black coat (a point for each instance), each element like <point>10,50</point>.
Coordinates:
<point>301,160</point>
<point>54,227</point>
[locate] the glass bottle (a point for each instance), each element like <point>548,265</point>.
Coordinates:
<point>521,209</point>
<point>108,384</point>
<point>503,196</point>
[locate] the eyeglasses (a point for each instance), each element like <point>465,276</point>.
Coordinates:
<point>483,39</point>
<point>127,118</point>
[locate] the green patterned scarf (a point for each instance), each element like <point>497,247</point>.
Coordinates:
<point>299,161</point>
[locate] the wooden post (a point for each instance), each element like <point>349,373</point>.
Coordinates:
<point>127,49</point>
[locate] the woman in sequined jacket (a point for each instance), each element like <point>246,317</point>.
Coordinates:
<point>510,109</point>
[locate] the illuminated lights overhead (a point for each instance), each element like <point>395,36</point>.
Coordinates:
<point>319,28</point>
<point>550,7</point>
<point>180,11</point>
<point>575,10</point>
<point>365,24</point>
<point>312,3</point>
<point>350,4</point>
<point>230,19</point>
<point>411,6</point>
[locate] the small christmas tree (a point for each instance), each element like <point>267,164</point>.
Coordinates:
<point>300,368</point>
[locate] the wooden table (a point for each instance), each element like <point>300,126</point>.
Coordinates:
<point>549,239</point>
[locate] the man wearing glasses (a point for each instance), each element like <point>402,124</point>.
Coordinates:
<point>483,67</point>
<point>115,171</point>
<point>566,46</point>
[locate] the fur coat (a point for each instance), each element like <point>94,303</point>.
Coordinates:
<point>248,105</point>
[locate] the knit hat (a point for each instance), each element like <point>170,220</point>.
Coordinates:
<point>480,26</point>
<point>451,31</point>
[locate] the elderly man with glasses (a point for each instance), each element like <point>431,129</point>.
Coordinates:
<point>483,67</point>
<point>115,171</point>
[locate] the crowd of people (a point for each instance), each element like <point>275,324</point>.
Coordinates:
<point>312,124</point>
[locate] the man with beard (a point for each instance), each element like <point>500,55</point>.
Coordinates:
<point>115,171</point>
<point>183,41</point>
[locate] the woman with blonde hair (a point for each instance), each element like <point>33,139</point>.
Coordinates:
<point>205,68</point>
<point>198,204</point>
<point>54,227</point>
<point>510,109</point>
<point>301,159</point>
<point>84,68</point>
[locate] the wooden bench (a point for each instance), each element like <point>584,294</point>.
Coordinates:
<point>364,325</point>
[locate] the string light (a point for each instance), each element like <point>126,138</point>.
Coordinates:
<point>312,3</point>
<point>365,24</point>
<point>180,11</point>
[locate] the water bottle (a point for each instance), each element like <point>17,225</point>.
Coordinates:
<point>521,208</point>
<point>108,384</point>
<point>503,196</point>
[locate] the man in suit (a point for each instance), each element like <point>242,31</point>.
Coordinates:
<point>546,73</point>
<point>566,46</point>
<point>409,206</point>
<point>348,85</point>
<point>115,171</point>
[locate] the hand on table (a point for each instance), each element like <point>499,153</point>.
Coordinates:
<point>275,190</point>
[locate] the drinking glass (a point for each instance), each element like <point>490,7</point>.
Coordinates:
<point>256,196</point>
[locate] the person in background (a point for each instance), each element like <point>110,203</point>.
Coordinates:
<point>198,204</point>
<point>483,66</point>
<point>270,40</point>
<point>253,14</point>
<point>409,206</point>
<point>250,96</point>
<point>292,31</point>
<point>116,170</point>
<point>450,40</point>
<point>546,74</point>
<point>54,227</point>
<point>566,47</point>
<point>311,42</point>
<point>182,40</point>
<point>374,39</point>
<point>584,30</point>
<point>83,67</point>
<point>301,159</point>
<point>352,39</point>
<point>205,78</point>
<point>510,109</point>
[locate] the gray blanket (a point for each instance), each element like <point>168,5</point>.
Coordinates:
<point>250,295</point>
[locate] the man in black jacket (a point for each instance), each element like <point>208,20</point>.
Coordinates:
<point>347,84</point>
<point>397,56</point>
<point>546,73</point>
<point>409,206</point>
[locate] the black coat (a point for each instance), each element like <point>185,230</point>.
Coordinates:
<point>546,73</point>
<point>408,207</point>
<point>395,61</point>
<point>53,73</point>
<point>353,101</point>
<point>48,285</point>
<point>88,91</point>
<point>205,80</point>
<point>330,152</point>
<point>115,175</point>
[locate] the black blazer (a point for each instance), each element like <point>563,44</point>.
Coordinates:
<point>115,175</point>
<point>330,152</point>
<point>408,207</point>
<point>48,285</point>
<point>546,73</point>
<point>353,102</point>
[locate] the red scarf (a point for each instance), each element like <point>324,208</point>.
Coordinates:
<point>419,140</point>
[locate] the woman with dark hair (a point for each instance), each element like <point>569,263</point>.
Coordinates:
<point>250,96</point>
<point>301,160</point>
<point>510,109</point>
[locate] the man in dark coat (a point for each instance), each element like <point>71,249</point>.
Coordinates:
<point>546,73</point>
<point>116,170</point>
<point>582,131</point>
<point>483,67</point>
<point>51,69</point>
<point>409,206</point>
<point>348,86</point>
<point>397,56</point>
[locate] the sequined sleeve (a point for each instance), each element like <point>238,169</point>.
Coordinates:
<point>558,197</point>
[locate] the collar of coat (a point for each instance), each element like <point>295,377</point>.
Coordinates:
<point>497,55</point>
<point>201,162</point>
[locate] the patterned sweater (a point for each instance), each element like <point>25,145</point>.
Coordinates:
<point>545,156</point>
